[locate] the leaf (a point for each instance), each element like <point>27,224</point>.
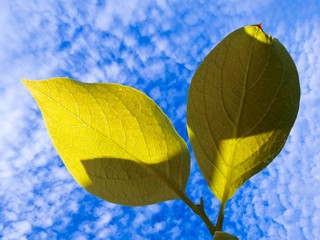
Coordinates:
<point>114,140</point>
<point>223,236</point>
<point>243,101</point>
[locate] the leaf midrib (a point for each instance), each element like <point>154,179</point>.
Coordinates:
<point>88,125</point>
<point>150,169</point>
<point>231,157</point>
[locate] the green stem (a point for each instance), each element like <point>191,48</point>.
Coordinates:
<point>221,216</point>
<point>196,208</point>
<point>199,210</point>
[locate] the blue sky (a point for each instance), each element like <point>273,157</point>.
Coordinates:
<point>154,46</point>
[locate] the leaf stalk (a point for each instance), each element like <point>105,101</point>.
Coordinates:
<point>221,216</point>
<point>196,208</point>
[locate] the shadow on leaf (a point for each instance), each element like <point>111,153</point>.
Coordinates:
<point>130,183</point>
<point>243,101</point>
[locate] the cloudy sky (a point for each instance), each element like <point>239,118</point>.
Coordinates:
<point>154,46</point>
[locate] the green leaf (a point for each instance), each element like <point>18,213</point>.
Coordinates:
<point>114,140</point>
<point>243,101</point>
<point>223,236</point>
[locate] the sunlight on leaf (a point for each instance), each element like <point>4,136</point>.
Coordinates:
<point>243,101</point>
<point>114,140</point>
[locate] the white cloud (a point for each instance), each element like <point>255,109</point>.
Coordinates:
<point>155,93</point>
<point>124,12</point>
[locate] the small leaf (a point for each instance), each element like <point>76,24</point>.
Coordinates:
<point>114,140</point>
<point>224,236</point>
<point>243,101</point>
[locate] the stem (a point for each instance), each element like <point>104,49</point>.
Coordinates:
<point>221,216</point>
<point>199,210</point>
<point>196,208</point>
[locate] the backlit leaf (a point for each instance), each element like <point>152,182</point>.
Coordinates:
<point>114,140</point>
<point>242,103</point>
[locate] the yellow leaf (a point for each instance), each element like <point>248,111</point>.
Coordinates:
<point>114,140</point>
<point>243,101</point>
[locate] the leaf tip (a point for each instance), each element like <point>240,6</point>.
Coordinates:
<point>29,84</point>
<point>259,25</point>
<point>23,80</point>
<point>26,82</point>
